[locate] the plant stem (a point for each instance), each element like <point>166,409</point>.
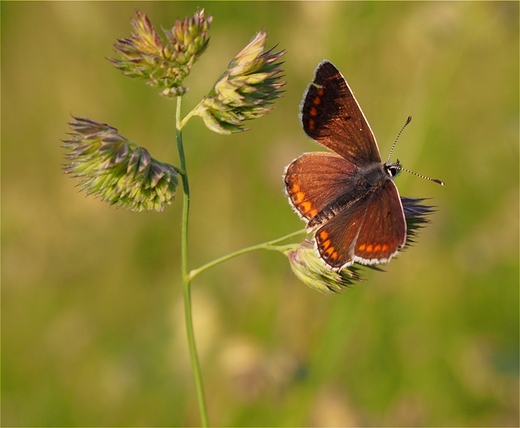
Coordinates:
<point>270,245</point>
<point>186,280</point>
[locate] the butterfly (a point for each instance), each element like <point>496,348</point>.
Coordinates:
<point>347,196</point>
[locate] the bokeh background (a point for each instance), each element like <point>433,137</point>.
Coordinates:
<point>92,315</point>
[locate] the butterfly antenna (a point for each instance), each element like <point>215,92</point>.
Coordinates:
<point>397,138</point>
<point>435,180</point>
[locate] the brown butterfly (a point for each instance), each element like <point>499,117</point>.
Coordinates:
<point>348,197</point>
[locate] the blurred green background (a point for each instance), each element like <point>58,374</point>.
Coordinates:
<point>92,317</point>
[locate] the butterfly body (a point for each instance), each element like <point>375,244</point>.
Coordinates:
<point>347,197</point>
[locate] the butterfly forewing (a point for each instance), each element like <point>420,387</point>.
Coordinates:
<point>331,116</point>
<point>315,180</point>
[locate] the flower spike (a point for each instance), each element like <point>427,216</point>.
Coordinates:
<point>246,90</point>
<point>311,270</point>
<point>116,169</point>
<point>144,56</point>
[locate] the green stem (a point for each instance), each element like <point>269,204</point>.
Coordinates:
<point>270,245</point>
<point>192,113</point>
<point>186,279</point>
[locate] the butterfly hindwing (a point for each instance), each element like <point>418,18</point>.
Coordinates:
<point>383,231</point>
<point>371,230</point>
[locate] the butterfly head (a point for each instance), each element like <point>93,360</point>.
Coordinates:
<point>393,168</point>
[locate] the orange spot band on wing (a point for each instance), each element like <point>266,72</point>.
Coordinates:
<point>306,206</point>
<point>324,235</point>
<point>299,197</point>
<point>331,253</point>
